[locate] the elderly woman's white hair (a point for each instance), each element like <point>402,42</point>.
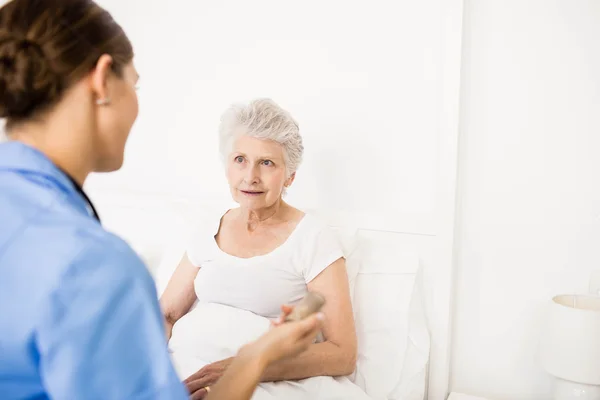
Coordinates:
<point>262,119</point>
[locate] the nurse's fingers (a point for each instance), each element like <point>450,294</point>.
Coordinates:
<point>285,311</point>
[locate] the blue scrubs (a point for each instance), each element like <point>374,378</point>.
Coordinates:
<point>79,315</point>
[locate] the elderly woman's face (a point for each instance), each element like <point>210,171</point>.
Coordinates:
<point>256,172</point>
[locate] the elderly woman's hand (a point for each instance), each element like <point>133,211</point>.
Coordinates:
<point>207,376</point>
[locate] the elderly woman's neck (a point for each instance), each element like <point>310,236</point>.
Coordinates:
<point>264,216</point>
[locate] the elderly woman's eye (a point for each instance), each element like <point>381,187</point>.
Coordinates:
<point>268,163</point>
<point>239,159</point>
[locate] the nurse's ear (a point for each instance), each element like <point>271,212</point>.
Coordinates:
<point>99,79</point>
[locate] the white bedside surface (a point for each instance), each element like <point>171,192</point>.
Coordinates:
<point>460,396</point>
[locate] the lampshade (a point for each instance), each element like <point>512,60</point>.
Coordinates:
<point>570,341</point>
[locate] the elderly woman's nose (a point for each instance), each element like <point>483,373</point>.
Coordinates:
<point>252,174</point>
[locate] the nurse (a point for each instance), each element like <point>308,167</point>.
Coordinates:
<point>79,316</point>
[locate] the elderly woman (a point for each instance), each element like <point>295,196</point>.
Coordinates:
<point>266,252</point>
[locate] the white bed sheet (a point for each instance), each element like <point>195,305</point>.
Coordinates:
<point>196,343</point>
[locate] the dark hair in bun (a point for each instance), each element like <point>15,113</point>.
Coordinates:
<point>47,45</point>
<point>26,79</point>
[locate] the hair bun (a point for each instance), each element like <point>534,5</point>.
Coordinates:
<point>27,80</point>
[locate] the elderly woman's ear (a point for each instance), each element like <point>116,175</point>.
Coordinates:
<point>290,180</point>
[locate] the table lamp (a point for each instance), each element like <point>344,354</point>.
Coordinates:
<point>570,346</point>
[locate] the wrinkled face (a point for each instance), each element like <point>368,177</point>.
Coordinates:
<point>115,119</point>
<point>256,172</point>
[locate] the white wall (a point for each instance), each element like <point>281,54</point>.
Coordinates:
<point>529,184</point>
<point>358,78</point>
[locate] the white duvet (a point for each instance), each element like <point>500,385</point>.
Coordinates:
<point>212,332</point>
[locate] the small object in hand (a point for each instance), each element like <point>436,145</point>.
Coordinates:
<point>310,304</point>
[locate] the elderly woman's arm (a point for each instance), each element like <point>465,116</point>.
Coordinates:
<point>179,296</point>
<point>337,355</point>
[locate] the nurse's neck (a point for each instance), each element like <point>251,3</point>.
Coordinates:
<point>69,145</point>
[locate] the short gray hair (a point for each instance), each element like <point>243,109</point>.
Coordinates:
<point>262,119</point>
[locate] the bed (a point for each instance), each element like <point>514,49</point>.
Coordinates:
<point>461,396</point>
<point>385,278</point>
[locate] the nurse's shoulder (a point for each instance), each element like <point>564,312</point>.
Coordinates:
<point>103,255</point>
<point>50,237</point>
<point>103,320</point>
<point>45,238</point>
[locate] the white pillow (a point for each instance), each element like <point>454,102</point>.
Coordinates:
<point>351,247</point>
<point>413,380</point>
<point>176,246</point>
<point>172,254</point>
<point>393,339</point>
<point>144,229</point>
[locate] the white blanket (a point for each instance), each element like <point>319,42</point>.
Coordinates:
<point>213,332</point>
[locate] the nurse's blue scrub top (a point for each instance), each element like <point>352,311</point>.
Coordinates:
<point>79,315</point>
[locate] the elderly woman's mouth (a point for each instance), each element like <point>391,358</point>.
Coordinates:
<point>251,192</point>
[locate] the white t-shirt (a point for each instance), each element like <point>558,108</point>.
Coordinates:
<point>262,284</point>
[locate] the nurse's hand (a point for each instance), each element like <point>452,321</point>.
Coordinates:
<point>285,311</point>
<point>285,340</point>
<point>210,374</point>
<point>245,372</point>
